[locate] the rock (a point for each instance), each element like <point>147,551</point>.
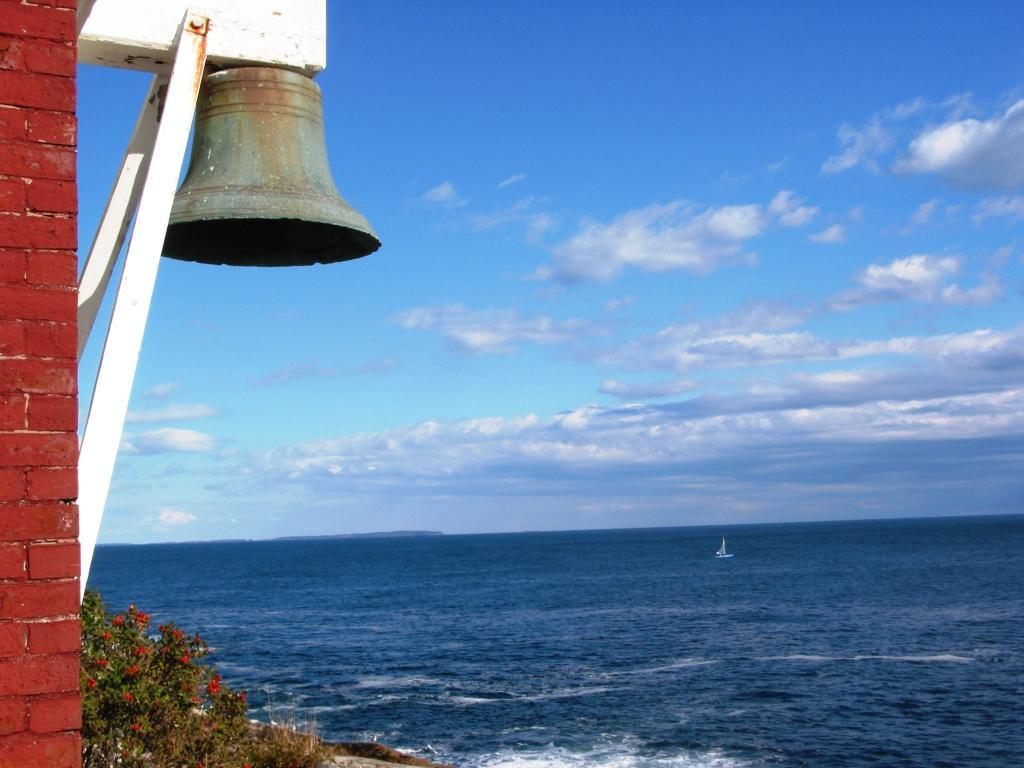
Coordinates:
<point>365,754</point>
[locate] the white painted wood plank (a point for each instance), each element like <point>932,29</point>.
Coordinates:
<point>139,34</point>
<point>128,322</point>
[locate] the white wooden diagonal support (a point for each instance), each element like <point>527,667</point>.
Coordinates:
<point>127,323</point>
<point>124,199</point>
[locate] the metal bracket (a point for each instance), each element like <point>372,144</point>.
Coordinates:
<point>158,161</point>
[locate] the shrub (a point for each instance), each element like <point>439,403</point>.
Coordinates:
<point>147,701</point>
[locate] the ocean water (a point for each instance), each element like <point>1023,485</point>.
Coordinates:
<point>879,643</point>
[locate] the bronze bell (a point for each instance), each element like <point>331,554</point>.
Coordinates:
<point>258,191</point>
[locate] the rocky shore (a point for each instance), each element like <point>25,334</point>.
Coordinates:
<point>371,755</point>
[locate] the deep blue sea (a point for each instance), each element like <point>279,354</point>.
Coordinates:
<point>879,643</point>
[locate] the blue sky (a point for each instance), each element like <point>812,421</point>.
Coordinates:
<point>646,264</point>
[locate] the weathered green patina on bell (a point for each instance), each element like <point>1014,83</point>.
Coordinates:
<point>259,191</point>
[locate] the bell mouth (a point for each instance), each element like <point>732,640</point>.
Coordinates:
<point>266,242</point>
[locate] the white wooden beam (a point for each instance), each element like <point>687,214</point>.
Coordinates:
<point>120,356</point>
<point>139,34</point>
<point>124,199</point>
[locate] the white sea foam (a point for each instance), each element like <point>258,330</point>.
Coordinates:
<point>558,693</point>
<point>939,657</point>
<point>947,658</point>
<point>470,701</point>
<point>671,666</point>
<point>385,681</point>
<point>607,758</point>
<point>566,693</point>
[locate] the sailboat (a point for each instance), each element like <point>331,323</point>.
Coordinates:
<point>721,550</point>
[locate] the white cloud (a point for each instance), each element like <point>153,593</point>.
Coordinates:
<point>486,455</point>
<point>172,516</point>
<point>923,213</point>
<point>768,335</point>
<point>970,152</point>
<point>865,145</point>
<point>658,238</point>
<point>493,331</point>
<point>646,390</point>
<point>687,347</point>
<point>167,440</point>
<point>172,413</point>
<point>163,390</point>
<point>677,235</point>
<point>733,179</point>
<point>523,212</point>
<point>860,146</point>
<point>993,207</point>
<point>944,418</point>
<point>757,334</point>
<point>790,209</point>
<point>920,278</point>
<point>443,194</point>
<point>613,305</point>
<point>830,235</point>
<point>515,178</point>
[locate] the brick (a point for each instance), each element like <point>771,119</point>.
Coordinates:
<point>55,636</point>
<point>29,600</point>
<point>56,377</point>
<point>12,640</point>
<point>48,196</point>
<point>13,124</point>
<point>41,521</point>
<point>13,411</point>
<point>57,268</point>
<point>13,195</point>
<point>52,128</point>
<point>12,485</point>
<point>28,89</point>
<point>12,561</point>
<point>29,750</point>
<point>38,231</point>
<point>35,160</point>
<point>13,266</point>
<point>13,716</point>
<point>31,303</point>
<point>50,58</point>
<point>30,449</point>
<point>12,53</point>
<point>51,340</point>
<point>36,21</point>
<point>12,339</point>
<point>38,674</point>
<point>53,561</point>
<point>52,484</point>
<point>52,714</point>
<point>52,413</point>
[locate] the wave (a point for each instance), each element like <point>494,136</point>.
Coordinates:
<point>946,658</point>
<point>501,696</point>
<point>671,666</point>
<point>611,757</point>
<point>384,681</point>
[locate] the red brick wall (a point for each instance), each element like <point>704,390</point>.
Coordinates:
<point>39,567</point>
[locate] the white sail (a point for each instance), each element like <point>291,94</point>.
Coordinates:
<point>721,550</point>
